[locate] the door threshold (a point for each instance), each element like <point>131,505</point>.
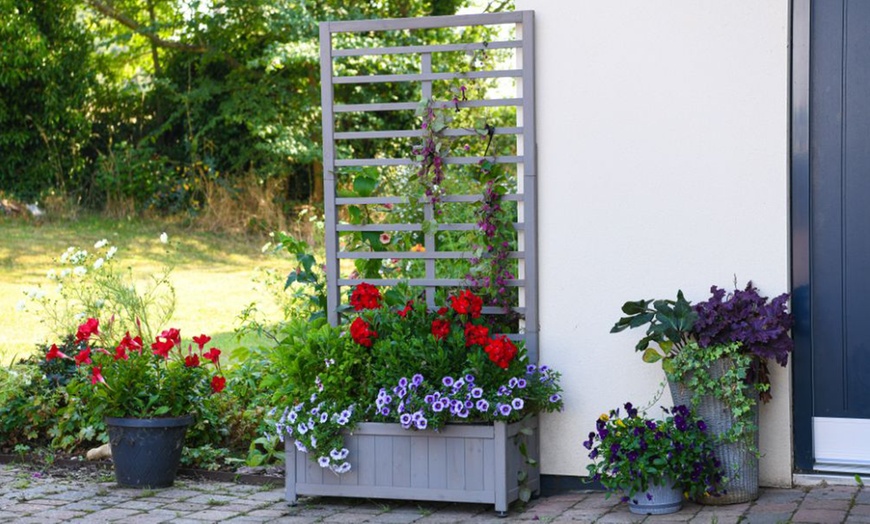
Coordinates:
<point>831,479</point>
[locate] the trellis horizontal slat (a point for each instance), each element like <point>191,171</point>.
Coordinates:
<point>412,106</point>
<point>425,255</point>
<point>455,160</point>
<point>416,49</point>
<point>413,227</point>
<point>415,133</point>
<point>422,77</point>
<point>423,282</point>
<point>427,22</point>
<point>346,201</point>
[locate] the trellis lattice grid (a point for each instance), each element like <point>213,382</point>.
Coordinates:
<point>341,46</point>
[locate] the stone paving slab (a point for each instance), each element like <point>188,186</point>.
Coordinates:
<point>28,496</point>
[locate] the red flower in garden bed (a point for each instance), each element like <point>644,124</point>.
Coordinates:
<point>128,382</point>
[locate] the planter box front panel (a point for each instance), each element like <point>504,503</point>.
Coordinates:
<point>458,464</point>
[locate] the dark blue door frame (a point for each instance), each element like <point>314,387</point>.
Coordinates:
<point>802,363</point>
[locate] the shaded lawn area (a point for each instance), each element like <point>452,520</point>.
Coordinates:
<point>212,276</point>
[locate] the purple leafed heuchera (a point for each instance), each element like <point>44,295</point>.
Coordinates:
<point>744,316</point>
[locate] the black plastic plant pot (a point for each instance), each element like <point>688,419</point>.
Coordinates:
<point>147,451</point>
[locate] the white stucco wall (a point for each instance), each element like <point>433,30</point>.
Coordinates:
<point>662,162</point>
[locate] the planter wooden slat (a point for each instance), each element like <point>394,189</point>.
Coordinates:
<point>461,463</point>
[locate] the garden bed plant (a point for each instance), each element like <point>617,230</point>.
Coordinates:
<point>410,365</point>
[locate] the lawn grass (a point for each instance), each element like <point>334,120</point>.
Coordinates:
<point>213,273</point>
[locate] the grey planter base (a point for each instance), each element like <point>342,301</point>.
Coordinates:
<point>460,463</point>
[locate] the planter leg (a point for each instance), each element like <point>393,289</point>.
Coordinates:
<point>290,472</point>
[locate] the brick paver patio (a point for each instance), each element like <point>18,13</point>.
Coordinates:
<point>28,496</point>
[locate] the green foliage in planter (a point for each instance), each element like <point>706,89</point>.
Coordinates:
<point>692,369</point>
<point>669,324</point>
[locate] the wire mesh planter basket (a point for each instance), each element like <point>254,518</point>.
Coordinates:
<point>739,459</point>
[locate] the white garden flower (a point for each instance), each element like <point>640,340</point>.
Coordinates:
<point>21,305</point>
<point>111,252</point>
<point>65,273</point>
<point>101,244</point>
<point>99,263</point>
<point>78,257</point>
<point>164,238</point>
<point>51,275</point>
<point>80,271</point>
<point>66,254</point>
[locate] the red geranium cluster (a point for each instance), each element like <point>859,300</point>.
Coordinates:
<point>501,351</point>
<point>362,333</point>
<point>440,328</point>
<point>467,303</point>
<point>476,335</point>
<point>365,296</point>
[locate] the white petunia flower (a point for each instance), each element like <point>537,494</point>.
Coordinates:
<point>164,238</point>
<point>99,263</point>
<point>101,244</point>
<point>111,252</point>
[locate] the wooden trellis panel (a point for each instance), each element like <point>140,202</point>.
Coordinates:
<point>523,129</point>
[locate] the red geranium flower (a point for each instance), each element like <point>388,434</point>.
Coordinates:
<point>362,333</point>
<point>84,357</point>
<point>201,341</point>
<point>191,361</point>
<point>440,328</point>
<point>89,328</point>
<point>476,335</point>
<point>365,296</point>
<point>467,303</point>
<point>54,353</point>
<point>218,383</point>
<point>213,354</point>
<point>408,307</point>
<point>501,351</point>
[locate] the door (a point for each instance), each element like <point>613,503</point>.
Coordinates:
<point>831,233</point>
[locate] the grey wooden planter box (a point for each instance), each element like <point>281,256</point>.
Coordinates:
<point>459,463</point>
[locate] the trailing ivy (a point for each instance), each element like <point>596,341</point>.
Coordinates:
<point>692,368</point>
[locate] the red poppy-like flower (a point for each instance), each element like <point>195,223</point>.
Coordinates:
<point>365,296</point>
<point>362,333</point>
<point>162,346</point>
<point>89,328</point>
<point>408,307</point>
<point>467,303</point>
<point>442,311</point>
<point>54,353</point>
<point>201,341</point>
<point>84,357</point>
<point>129,343</point>
<point>97,375</point>
<point>213,354</point>
<point>476,335</point>
<point>191,361</point>
<point>173,335</point>
<point>121,352</point>
<point>501,351</point>
<point>218,383</point>
<point>440,328</point>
